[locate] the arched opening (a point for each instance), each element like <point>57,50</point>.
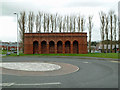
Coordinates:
<point>35,47</point>
<point>51,47</point>
<point>59,47</point>
<point>43,47</point>
<point>67,47</point>
<point>75,47</point>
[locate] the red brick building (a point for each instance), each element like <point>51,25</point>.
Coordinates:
<point>39,43</point>
<point>10,46</point>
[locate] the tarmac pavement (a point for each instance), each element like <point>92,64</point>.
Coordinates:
<point>92,73</point>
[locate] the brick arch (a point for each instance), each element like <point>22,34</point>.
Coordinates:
<point>51,47</point>
<point>35,39</point>
<point>67,47</point>
<point>75,46</point>
<point>43,47</point>
<point>35,47</point>
<point>51,40</point>
<point>60,47</point>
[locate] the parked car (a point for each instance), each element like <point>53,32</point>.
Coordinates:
<point>97,52</point>
<point>8,53</point>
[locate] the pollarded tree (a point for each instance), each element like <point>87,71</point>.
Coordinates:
<point>82,24</point>
<point>111,29</point>
<point>52,22</point>
<point>48,22</point>
<point>40,21</point>
<point>44,22</point>
<point>78,21</point>
<point>90,26</point>
<point>22,24</point>
<point>102,19</point>
<point>74,24</point>
<point>115,22</point>
<point>31,22</point>
<point>37,23</point>
<point>106,31</point>
<point>67,23</point>
<point>60,23</point>
<point>64,22</point>
<point>71,25</point>
<point>56,22</point>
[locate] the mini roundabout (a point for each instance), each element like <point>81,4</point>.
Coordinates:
<point>37,68</point>
<point>72,72</point>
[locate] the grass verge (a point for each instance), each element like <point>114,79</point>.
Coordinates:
<point>100,55</point>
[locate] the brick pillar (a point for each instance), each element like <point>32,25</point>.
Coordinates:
<point>55,48</point>
<point>39,48</point>
<point>47,48</point>
<point>63,48</point>
<point>71,48</point>
<point>79,46</point>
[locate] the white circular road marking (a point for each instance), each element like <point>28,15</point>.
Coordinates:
<point>30,66</point>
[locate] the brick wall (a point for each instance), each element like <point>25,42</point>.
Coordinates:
<point>55,43</point>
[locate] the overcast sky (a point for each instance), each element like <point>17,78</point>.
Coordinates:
<point>8,24</point>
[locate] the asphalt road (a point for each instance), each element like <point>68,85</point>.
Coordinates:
<point>93,73</point>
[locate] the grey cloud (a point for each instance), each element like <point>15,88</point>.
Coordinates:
<point>8,8</point>
<point>87,4</point>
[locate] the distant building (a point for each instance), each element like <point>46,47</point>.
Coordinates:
<point>99,48</point>
<point>9,46</point>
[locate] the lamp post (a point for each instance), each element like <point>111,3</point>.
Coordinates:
<point>119,25</point>
<point>17,36</point>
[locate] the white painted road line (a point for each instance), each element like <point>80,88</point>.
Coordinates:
<point>114,61</point>
<point>86,62</point>
<point>6,84</point>
<point>28,84</point>
<point>37,84</point>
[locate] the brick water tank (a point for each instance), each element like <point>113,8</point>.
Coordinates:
<point>45,43</point>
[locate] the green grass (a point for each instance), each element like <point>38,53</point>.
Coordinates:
<point>100,55</point>
<point>4,51</point>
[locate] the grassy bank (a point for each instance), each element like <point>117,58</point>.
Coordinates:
<point>101,55</point>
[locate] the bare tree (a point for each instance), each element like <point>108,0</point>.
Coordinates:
<point>90,26</point>
<point>102,17</point>
<point>52,22</point>
<point>67,23</point>
<point>60,23</point>
<point>22,24</point>
<point>31,22</point>
<point>40,21</point>
<point>64,21</point>
<point>56,22</point>
<point>44,22</point>
<point>106,31</point>
<point>37,23</point>
<point>111,29</point>
<point>74,24</point>
<point>78,21</point>
<point>71,24</point>
<point>82,24</point>
<point>115,22</point>
<point>48,21</point>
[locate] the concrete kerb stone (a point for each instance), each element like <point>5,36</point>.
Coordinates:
<point>65,69</point>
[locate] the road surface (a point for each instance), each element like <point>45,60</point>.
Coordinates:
<point>92,73</point>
